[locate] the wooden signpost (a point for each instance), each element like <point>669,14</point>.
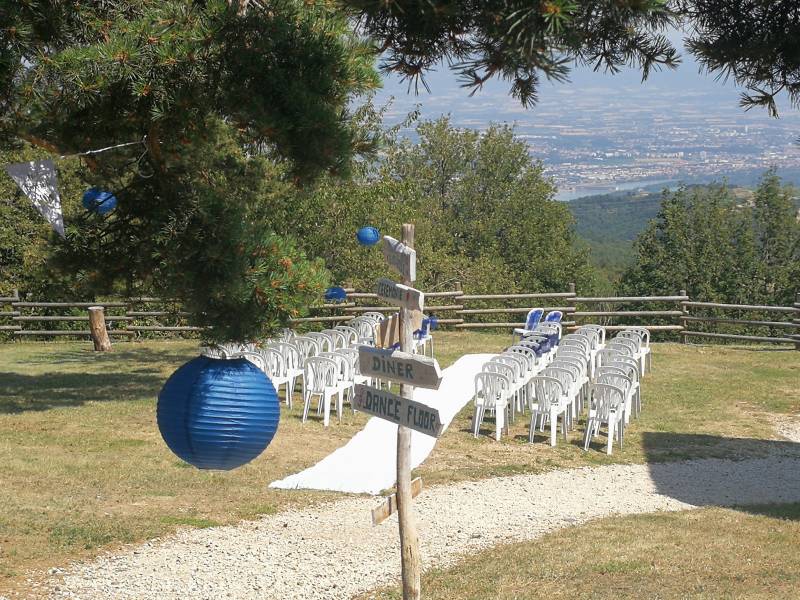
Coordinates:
<point>400,367</point>
<point>408,370</point>
<point>400,295</point>
<point>401,256</point>
<point>389,506</point>
<point>396,409</point>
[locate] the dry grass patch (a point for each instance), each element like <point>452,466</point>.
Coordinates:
<point>707,553</point>
<point>85,469</point>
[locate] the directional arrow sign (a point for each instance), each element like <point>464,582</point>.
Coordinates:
<point>400,367</point>
<point>399,410</point>
<point>399,294</point>
<point>400,257</point>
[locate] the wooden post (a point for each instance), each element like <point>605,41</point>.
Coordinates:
<point>97,327</point>
<point>685,311</point>
<point>409,539</point>
<point>571,302</point>
<point>797,321</point>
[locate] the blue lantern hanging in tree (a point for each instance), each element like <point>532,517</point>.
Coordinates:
<point>218,413</point>
<point>368,236</point>
<point>99,201</point>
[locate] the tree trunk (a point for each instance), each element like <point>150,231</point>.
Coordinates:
<point>97,326</point>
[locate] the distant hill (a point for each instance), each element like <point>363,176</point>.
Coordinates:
<point>609,224</point>
<point>614,217</point>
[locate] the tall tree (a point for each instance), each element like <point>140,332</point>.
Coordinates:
<point>719,249</point>
<point>218,92</point>
<point>777,234</point>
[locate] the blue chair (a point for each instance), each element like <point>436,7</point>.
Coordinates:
<point>554,316</point>
<point>531,321</point>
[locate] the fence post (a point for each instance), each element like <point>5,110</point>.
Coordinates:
<point>571,302</point>
<point>97,327</point>
<point>796,321</point>
<point>685,311</point>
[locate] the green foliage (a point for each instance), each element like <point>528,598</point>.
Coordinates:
<point>609,223</point>
<point>754,43</point>
<point>484,214</point>
<point>231,105</point>
<point>720,250</point>
<point>620,216</point>
<point>24,233</point>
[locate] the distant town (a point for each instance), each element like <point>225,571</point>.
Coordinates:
<point>602,134</point>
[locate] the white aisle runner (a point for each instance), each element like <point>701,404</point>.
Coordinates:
<point>366,464</point>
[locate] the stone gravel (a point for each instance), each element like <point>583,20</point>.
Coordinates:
<point>334,552</point>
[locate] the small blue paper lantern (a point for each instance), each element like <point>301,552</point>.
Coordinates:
<point>335,294</point>
<point>368,236</point>
<point>218,413</point>
<point>98,201</point>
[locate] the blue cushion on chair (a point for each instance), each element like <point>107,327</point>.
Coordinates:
<point>554,316</point>
<point>534,316</point>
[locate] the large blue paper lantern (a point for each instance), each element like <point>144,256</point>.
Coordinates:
<point>335,294</point>
<point>218,413</point>
<point>99,201</point>
<point>368,236</point>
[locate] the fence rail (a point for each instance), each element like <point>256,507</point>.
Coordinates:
<point>660,314</point>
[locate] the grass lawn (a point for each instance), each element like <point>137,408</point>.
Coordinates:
<point>85,469</point>
<point>706,553</point>
<point>699,401</point>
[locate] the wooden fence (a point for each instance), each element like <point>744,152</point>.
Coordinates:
<point>674,315</point>
<point>124,318</point>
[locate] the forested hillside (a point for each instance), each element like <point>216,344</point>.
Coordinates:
<point>610,223</point>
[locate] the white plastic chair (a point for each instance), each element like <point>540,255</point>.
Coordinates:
<point>320,379</point>
<point>548,402</point>
<point>511,372</point>
<point>350,334</point>
<point>628,367</point>
<point>617,377</point>
<point>492,392</point>
<point>580,380</point>
<point>605,402</point>
<point>424,339</point>
<point>294,364</point>
<point>324,340</point>
<point>642,338</point>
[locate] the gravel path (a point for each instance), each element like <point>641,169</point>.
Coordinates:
<point>789,427</point>
<point>333,552</point>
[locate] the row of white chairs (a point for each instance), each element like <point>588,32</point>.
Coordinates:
<point>584,370</point>
<point>504,385</point>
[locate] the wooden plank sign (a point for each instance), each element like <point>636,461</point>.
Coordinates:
<point>398,410</point>
<point>389,329</point>
<point>400,367</point>
<point>400,257</point>
<point>389,505</point>
<point>399,294</point>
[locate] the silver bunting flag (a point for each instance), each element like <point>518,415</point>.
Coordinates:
<point>38,181</point>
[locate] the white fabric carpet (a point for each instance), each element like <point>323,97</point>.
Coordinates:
<point>366,464</point>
